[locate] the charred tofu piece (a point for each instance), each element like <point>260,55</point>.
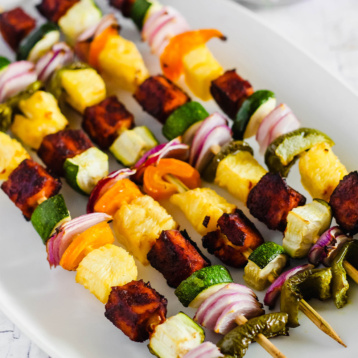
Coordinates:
<point>124,6</point>
<point>272,199</point>
<point>104,121</point>
<point>56,148</point>
<point>160,97</point>
<point>236,235</point>
<point>29,185</point>
<point>230,91</point>
<point>176,256</point>
<point>15,25</point>
<point>344,203</point>
<point>53,10</point>
<point>136,309</point>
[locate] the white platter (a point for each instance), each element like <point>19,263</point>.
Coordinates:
<point>64,319</point>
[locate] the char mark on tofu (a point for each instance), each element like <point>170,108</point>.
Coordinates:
<point>53,10</point>
<point>344,203</point>
<point>235,236</point>
<point>136,309</point>
<point>176,256</point>
<point>160,97</point>
<point>56,148</point>
<point>230,91</point>
<point>104,121</point>
<point>124,6</point>
<point>272,199</point>
<point>15,25</point>
<point>29,185</point>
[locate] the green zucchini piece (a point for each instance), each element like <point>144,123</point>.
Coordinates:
<point>182,118</point>
<point>282,153</point>
<point>49,215</point>
<point>132,144</point>
<point>236,342</point>
<point>38,42</point>
<point>305,224</point>
<point>175,337</point>
<point>201,280</point>
<point>4,62</point>
<point>83,171</point>
<point>229,148</point>
<point>308,284</point>
<point>138,11</point>
<point>253,110</point>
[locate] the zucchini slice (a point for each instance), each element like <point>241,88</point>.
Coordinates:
<point>139,11</point>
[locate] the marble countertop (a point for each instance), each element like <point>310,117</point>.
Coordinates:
<point>327,29</point>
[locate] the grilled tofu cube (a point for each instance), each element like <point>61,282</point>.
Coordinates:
<point>53,10</point>
<point>176,257</point>
<point>29,185</point>
<point>230,91</point>
<point>136,308</point>
<point>272,199</point>
<point>15,25</point>
<point>235,235</point>
<point>124,6</point>
<point>12,153</point>
<point>106,120</point>
<point>138,225</point>
<point>160,97</point>
<point>344,203</point>
<point>56,148</point>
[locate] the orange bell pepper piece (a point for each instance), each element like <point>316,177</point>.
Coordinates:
<point>171,60</point>
<point>91,239</point>
<point>98,44</point>
<point>122,192</point>
<point>155,179</point>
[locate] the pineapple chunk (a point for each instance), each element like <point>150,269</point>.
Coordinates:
<point>41,116</point>
<point>84,88</point>
<point>12,154</point>
<point>321,171</point>
<point>137,225</point>
<point>121,59</point>
<point>105,267</point>
<point>239,173</point>
<point>200,68</point>
<point>199,203</point>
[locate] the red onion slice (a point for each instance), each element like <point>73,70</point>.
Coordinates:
<point>274,290</point>
<point>148,25</point>
<point>204,350</point>
<point>286,124</point>
<point>105,184</point>
<point>15,69</point>
<point>189,134</point>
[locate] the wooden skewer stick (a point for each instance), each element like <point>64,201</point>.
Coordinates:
<point>317,319</point>
<point>351,271</point>
<point>262,340</point>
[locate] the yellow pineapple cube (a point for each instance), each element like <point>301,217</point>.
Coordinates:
<point>200,68</point>
<point>105,267</point>
<point>84,88</point>
<point>239,173</point>
<point>321,171</point>
<point>121,60</point>
<point>138,225</point>
<point>199,203</point>
<point>12,153</point>
<point>41,116</point>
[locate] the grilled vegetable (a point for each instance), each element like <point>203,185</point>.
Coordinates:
<point>29,185</point>
<point>305,224</point>
<point>272,199</point>
<point>50,215</point>
<point>104,268</point>
<point>139,10</point>
<point>264,265</point>
<point>230,91</point>
<point>175,337</point>
<point>344,203</point>
<point>12,154</point>
<point>202,207</point>
<point>138,224</point>
<point>136,308</point>
<point>53,11</point>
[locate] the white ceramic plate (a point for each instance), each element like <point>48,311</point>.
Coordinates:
<point>64,319</point>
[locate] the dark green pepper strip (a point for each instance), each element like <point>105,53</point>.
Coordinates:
<point>340,285</point>
<point>308,284</point>
<point>236,342</point>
